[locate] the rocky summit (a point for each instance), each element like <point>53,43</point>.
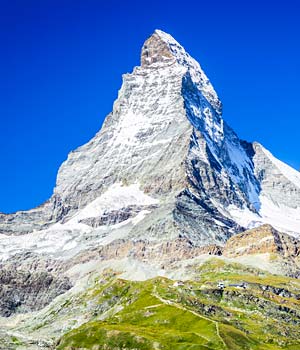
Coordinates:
<point>163,186</point>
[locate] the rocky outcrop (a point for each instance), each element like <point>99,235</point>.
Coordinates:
<point>264,239</point>
<point>25,291</point>
<point>114,217</point>
<point>156,50</point>
<point>269,308</point>
<point>29,282</point>
<point>23,222</point>
<point>161,253</point>
<point>283,250</point>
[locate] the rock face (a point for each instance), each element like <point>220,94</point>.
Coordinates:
<point>264,239</point>
<point>164,174</point>
<point>115,216</point>
<point>162,254</point>
<point>284,250</point>
<point>25,291</point>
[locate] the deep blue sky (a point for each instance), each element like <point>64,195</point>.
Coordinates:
<point>61,64</point>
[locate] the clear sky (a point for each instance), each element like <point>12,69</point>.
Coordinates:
<point>61,64</point>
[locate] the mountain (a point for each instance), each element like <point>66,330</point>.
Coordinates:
<point>166,139</point>
<point>165,183</point>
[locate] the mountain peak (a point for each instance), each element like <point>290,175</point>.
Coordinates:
<point>157,49</point>
<point>165,36</point>
<point>162,50</point>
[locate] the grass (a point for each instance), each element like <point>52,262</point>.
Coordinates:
<point>156,315</point>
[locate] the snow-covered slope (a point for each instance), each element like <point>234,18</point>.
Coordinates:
<point>66,239</point>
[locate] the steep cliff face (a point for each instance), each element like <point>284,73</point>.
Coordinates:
<point>164,166</point>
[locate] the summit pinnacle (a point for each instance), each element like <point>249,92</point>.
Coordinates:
<point>155,50</point>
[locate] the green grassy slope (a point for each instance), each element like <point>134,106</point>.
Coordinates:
<point>155,314</point>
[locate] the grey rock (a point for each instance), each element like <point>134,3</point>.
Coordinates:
<point>24,291</point>
<point>116,216</point>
